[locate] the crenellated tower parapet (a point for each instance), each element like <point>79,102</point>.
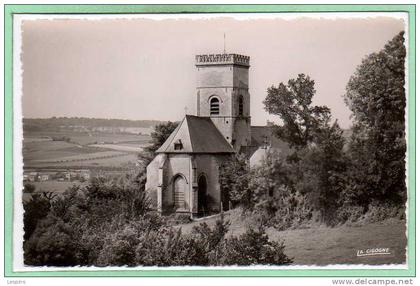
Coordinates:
<point>218,59</point>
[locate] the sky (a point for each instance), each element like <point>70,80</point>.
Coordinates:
<point>142,68</point>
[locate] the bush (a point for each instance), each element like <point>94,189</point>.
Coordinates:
<point>29,188</point>
<point>119,247</point>
<point>292,211</point>
<point>52,244</point>
<point>168,247</point>
<point>379,211</point>
<point>35,209</point>
<point>251,248</point>
<point>349,213</point>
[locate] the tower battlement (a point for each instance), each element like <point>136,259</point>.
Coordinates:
<point>218,59</point>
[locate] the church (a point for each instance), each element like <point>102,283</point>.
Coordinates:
<point>184,175</point>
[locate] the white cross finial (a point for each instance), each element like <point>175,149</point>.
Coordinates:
<point>186,110</point>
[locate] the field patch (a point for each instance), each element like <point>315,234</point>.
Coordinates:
<point>120,147</point>
<point>81,150</point>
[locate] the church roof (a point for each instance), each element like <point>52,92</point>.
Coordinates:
<point>264,135</point>
<point>196,135</point>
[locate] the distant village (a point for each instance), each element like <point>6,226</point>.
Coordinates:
<point>60,176</point>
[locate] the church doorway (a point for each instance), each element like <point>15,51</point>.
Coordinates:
<point>202,195</point>
<point>180,186</point>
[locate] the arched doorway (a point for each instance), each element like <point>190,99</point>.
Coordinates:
<point>202,195</point>
<point>180,186</point>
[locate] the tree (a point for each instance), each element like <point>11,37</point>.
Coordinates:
<point>161,132</point>
<point>36,209</point>
<point>234,181</point>
<point>52,244</point>
<point>320,172</point>
<point>29,188</point>
<point>292,102</point>
<point>376,96</point>
<point>316,168</point>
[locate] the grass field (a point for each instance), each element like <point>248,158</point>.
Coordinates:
<point>126,147</point>
<point>321,245</point>
<point>85,138</point>
<point>83,150</point>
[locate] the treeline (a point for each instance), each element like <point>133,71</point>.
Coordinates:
<point>57,123</point>
<point>321,180</point>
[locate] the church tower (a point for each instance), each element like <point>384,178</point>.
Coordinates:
<point>223,95</point>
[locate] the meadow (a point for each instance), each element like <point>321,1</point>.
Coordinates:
<point>328,245</point>
<point>86,138</point>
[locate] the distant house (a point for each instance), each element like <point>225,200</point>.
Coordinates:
<point>85,174</point>
<point>44,177</point>
<point>68,175</point>
<point>263,141</point>
<point>32,176</point>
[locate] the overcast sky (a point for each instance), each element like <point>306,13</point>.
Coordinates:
<point>144,68</point>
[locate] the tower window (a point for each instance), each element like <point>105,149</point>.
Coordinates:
<point>214,106</point>
<point>241,105</point>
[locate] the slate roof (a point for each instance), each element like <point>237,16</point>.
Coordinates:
<point>197,135</point>
<point>263,135</point>
<point>263,140</point>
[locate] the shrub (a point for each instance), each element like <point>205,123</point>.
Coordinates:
<point>51,244</point>
<point>349,213</point>
<point>29,188</point>
<point>379,211</point>
<point>253,247</point>
<point>119,247</point>
<point>35,209</point>
<point>209,240</point>
<point>292,211</point>
<point>168,247</point>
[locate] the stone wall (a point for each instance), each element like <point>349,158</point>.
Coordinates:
<point>183,164</point>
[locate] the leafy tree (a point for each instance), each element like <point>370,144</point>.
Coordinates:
<point>51,244</point>
<point>376,96</point>
<point>159,135</point>
<point>271,179</point>
<point>320,172</point>
<point>317,166</point>
<point>36,209</point>
<point>293,103</point>
<point>233,180</point>
<point>29,188</point>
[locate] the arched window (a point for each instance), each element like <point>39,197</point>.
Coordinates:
<point>241,105</point>
<point>214,106</point>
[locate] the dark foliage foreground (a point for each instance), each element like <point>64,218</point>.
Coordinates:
<point>108,223</point>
